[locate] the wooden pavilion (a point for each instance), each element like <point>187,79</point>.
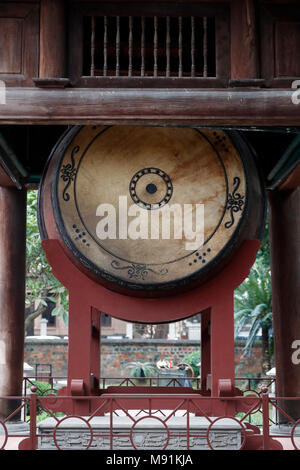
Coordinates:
<point>226,64</point>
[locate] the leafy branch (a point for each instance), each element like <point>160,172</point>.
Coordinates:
<point>41,285</point>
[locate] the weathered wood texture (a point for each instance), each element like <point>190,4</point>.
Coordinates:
<point>292,181</point>
<point>12,293</point>
<point>80,48</point>
<point>280,35</point>
<point>52,39</point>
<point>244,52</point>
<point>199,107</point>
<point>19,32</point>
<point>5,180</point>
<point>251,41</point>
<point>285,263</point>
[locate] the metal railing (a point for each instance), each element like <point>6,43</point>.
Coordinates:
<point>182,422</point>
<point>246,384</point>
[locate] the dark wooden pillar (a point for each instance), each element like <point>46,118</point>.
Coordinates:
<point>285,264</point>
<point>244,57</point>
<point>12,293</point>
<point>52,39</point>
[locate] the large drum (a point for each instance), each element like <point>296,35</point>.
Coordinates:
<point>151,211</point>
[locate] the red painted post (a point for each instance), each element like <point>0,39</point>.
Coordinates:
<point>33,403</point>
<point>222,341</point>
<point>79,352</point>
<point>188,425</point>
<point>205,347</point>
<point>95,351</point>
<point>266,418</point>
<point>111,430</point>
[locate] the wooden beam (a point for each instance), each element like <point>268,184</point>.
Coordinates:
<point>5,180</point>
<point>292,181</point>
<point>12,172</point>
<point>52,39</point>
<point>285,175</point>
<point>244,53</point>
<point>228,107</point>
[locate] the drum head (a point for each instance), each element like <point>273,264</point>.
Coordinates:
<point>149,208</point>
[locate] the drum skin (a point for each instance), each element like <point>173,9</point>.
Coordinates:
<point>123,202</point>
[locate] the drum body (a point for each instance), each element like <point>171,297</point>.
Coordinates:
<point>151,211</point>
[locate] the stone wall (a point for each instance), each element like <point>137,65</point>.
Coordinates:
<point>47,351</point>
<point>116,354</point>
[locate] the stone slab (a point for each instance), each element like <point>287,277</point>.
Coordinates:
<point>284,429</point>
<point>147,434</point>
<point>15,428</point>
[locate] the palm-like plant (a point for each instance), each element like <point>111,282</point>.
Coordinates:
<point>141,370</point>
<point>253,307</point>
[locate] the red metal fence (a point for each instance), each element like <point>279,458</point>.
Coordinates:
<point>248,430</point>
<point>247,384</point>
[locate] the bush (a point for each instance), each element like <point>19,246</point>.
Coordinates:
<point>193,359</point>
<point>43,388</point>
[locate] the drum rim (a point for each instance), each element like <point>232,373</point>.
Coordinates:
<point>245,152</point>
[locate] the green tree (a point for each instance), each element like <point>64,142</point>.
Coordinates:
<point>253,308</point>
<point>41,285</point>
<point>263,254</point>
<point>193,359</point>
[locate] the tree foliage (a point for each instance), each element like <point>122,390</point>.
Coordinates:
<point>194,359</point>
<point>253,305</point>
<point>41,285</point>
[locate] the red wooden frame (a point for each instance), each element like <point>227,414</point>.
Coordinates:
<point>88,299</point>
